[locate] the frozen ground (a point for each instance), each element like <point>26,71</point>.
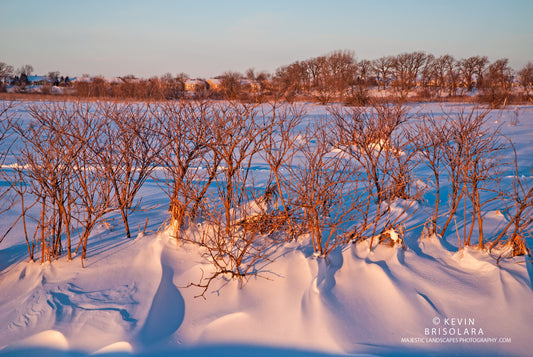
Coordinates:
<point>131,297</point>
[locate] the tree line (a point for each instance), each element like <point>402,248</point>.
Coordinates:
<point>334,77</point>
<point>339,76</point>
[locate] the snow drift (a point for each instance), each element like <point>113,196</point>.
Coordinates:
<point>424,296</point>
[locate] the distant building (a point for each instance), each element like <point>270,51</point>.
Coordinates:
<point>87,79</point>
<point>38,80</point>
<point>250,85</point>
<point>195,85</point>
<point>214,83</point>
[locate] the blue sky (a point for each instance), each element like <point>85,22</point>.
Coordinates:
<point>205,38</point>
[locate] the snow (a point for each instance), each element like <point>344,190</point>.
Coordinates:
<point>132,296</point>
<point>49,338</point>
<point>393,235</point>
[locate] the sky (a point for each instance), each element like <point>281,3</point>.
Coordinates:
<point>204,38</point>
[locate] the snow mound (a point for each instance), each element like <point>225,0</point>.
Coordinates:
<point>46,339</point>
<point>121,346</point>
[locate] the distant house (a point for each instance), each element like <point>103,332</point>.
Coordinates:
<point>130,79</point>
<point>80,79</point>
<point>214,84</point>
<point>112,80</point>
<point>250,85</point>
<point>38,80</point>
<point>195,85</point>
<point>87,79</point>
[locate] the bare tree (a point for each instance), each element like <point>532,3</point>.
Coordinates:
<point>173,87</point>
<point>53,77</point>
<point>25,70</point>
<point>313,69</point>
<point>290,81</point>
<point>5,71</point>
<point>470,67</point>
<point>343,68</point>
<point>480,66</point>
<point>526,77</point>
<point>383,68</point>
<point>447,74</point>
<point>323,89</point>
<point>406,68</point>
<point>230,85</point>
<point>498,82</point>
<point>427,73</point>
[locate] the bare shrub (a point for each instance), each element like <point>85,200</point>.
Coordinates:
<point>8,117</point>
<point>21,191</point>
<point>518,202</point>
<point>374,138</point>
<point>357,96</point>
<point>278,149</point>
<point>368,136</point>
<point>92,189</point>
<point>237,137</point>
<point>429,135</point>
<point>188,164</point>
<point>326,192</point>
<point>16,189</point>
<point>46,168</point>
<point>126,150</point>
<point>473,165</point>
<point>232,242</point>
<point>61,175</point>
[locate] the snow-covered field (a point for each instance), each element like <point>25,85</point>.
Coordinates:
<point>132,297</point>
